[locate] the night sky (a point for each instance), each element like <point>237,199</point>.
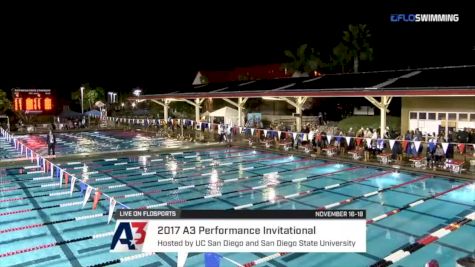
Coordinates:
<point>154,46</point>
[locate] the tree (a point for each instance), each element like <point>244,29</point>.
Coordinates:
<point>5,103</point>
<point>91,95</point>
<point>356,39</point>
<point>303,61</point>
<point>341,56</point>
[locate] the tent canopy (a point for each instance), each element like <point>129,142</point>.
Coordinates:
<point>230,115</point>
<point>93,112</point>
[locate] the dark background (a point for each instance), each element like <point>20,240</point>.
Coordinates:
<point>156,46</point>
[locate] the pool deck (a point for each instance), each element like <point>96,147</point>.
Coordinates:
<point>405,165</point>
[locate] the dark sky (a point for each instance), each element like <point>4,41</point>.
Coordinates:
<point>157,46</point>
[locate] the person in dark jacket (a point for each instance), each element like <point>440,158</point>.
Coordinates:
<point>51,141</point>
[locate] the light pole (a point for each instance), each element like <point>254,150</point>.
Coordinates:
<point>82,99</point>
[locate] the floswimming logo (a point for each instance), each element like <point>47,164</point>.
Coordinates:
<point>125,239</point>
<point>424,17</point>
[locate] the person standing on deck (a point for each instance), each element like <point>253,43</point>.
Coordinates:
<point>51,141</point>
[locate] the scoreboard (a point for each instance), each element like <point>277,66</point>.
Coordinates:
<point>32,100</point>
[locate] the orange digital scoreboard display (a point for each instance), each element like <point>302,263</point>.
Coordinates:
<point>32,100</point>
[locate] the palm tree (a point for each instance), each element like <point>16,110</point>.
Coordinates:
<point>303,61</point>
<point>91,95</point>
<point>341,56</point>
<point>356,39</point>
<point>4,101</point>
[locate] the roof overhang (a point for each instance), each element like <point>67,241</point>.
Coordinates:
<point>403,92</point>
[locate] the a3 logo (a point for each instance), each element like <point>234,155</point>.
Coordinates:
<point>129,236</point>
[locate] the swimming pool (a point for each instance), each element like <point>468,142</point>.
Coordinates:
<point>36,213</point>
<point>7,151</point>
<point>103,141</point>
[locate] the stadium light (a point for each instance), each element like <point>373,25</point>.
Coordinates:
<point>137,92</point>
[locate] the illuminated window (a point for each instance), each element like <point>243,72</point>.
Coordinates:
<point>29,104</point>
<point>48,105</point>
<point>18,104</point>
<point>38,103</point>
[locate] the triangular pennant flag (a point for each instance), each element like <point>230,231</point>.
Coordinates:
<point>461,148</point>
<point>37,160</point>
<point>380,143</point>
<point>73,181</point>
<point>52,169</point>
<point>305,137</point>
<point>61,177</point>
<point>329,138</point>
<point>87,195</point>
<point>240,129</point>
<point>404,145</point>
<point>417,144</point>
<point>44,165</point>
<point>252,131</point>
<point>348,140</point>
<point>278,134</point>
<point>66,178</point>
<point>265,133</point>
<point>368,142</point>
<point>112,203</point>
<point>97,197</point>
<point>391,143</point>
<point>445,146</point>
<point>473,147</point>
<point>294,135</point>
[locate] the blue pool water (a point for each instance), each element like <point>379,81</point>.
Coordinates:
<point>7,151</point>
<point>122,177</point>
<point>104,141</point>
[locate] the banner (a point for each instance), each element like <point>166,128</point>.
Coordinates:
<point>61,172</point>
<point>461,148</point>
<point>87,195</point>
<point>445,146</point>
<point>368,142</point>
<point>348,140</point>
<point>52,169</point>
<point>417,144</point>
<point>73,181</point>
<point>391,143</point>
<point>112,203</point>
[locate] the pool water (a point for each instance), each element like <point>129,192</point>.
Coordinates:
<point>93,142</point>
<point>214,171</point>
<point>7,151</point>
